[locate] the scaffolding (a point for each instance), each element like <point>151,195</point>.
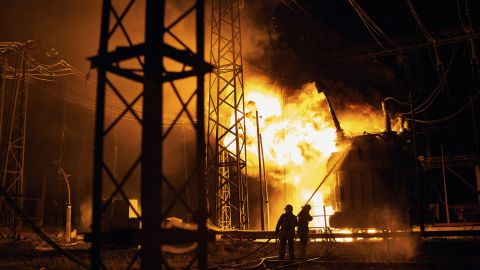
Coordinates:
<point>226,150</point>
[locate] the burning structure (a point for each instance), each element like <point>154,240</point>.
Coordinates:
<point>373,183</point>
<point>273,136</point>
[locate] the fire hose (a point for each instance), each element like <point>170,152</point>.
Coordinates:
<point>38,231</point>
<point>249,254</point>
<point>338,162</point>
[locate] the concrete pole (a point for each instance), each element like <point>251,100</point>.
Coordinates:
<point>68,224</point>
<point>68,216</point>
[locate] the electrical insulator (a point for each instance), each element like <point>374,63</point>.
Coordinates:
<point>241,3</point>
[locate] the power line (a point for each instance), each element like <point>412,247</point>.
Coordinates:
<point>375,31</point>
<point>62,72</point>
<point>38,231</point>
<point>447,117</point>
<point>418,21</point>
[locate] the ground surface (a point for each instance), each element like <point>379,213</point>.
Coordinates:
<point>405,253</point>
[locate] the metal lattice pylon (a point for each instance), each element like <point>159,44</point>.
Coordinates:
<point>226,152</point>
<point>158,64</point>
<point>14,92</point>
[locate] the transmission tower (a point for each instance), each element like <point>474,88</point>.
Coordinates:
<point>158,68</point>
<point>14,92</point>
<point>227,152</point>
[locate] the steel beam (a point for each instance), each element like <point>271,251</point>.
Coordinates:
<point>158,193</point>
<point>226,150</point>
<point>13,127</point>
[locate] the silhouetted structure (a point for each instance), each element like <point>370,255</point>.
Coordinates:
<point>13,117</point>
<point>148,65</point>
<point>227,152</point>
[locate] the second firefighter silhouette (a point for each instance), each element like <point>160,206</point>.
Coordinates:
<point>303,218</point>
<point>286,229</point>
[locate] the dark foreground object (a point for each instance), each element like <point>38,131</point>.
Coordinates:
<point>319,263</point>
<point>401,253</point>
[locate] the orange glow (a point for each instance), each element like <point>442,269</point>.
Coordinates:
<point>298,137</point>
<point>346,239</point>
<point>293,134</point>
<point>318,212</point>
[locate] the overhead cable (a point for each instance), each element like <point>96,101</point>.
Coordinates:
<point>418,21</point>
<point>448,117</point>
<point>375,31</point>
<point>429,101</point>
<point>38,231</point>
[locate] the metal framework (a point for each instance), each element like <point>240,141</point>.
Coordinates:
<point>14,92</point>
<point>147,65</point>
<point>449,163</point>
<point>226,118</point>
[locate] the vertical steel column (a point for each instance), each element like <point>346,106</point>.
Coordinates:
<point>96,248</point>
<point>152,137</point>
<point>226,117</point>
<point>14,120</point>
<point>201,144</point>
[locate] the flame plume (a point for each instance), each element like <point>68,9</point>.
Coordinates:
<point>298,137</point>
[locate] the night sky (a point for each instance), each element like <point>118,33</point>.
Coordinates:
<point>312,43</point>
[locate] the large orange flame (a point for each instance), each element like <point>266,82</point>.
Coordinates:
<point>298,138</point>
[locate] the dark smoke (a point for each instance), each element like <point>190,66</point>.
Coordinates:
<point>313,41</point>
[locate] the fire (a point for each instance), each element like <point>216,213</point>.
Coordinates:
<point>292,134</point>
<point>298,137</point>
<point>321,213</point>
<point>345,239</point>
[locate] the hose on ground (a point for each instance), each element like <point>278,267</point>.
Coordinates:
<point>38,231</point>
<point>251,253</point>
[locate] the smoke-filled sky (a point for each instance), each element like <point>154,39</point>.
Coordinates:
<point>290,45</point>
<point>302,36</point>
<point>72,27</point>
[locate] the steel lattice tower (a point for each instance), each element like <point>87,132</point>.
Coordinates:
<point>14,92</point>
<point>158,68</point>
<point>226,152</point>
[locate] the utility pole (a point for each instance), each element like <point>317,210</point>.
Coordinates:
<point>267,202</point>
<point>226,150</point>
<point>68,213</point>
<point>146,64</point>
